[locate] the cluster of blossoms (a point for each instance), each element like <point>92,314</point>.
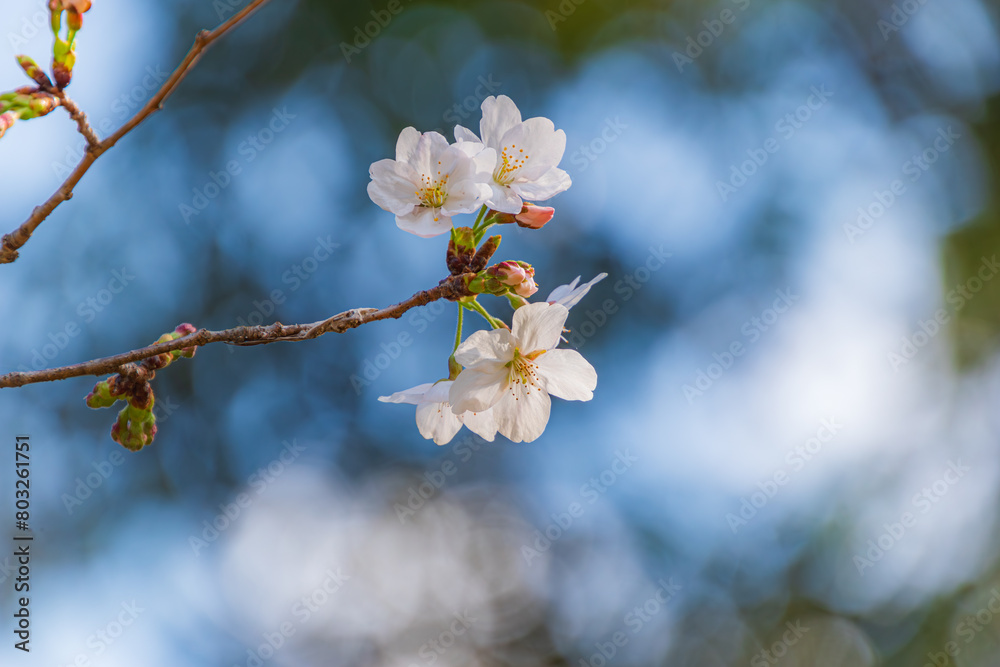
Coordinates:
<point>36,101</point>
<point>499,380</point>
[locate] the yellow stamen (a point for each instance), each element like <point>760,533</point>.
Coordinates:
<point>510,163</point>
<point>522,371</point>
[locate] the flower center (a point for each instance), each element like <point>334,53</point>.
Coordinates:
<point>522,371</point>
<point>432,191</point>
<point>512,159</point>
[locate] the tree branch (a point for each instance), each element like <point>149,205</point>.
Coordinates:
<point>16,239</point>
<point>82,125</point>
<point>451,288</point>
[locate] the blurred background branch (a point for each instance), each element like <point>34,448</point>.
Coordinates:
<point>12,242</point>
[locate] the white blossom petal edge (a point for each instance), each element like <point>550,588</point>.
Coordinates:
<point>435,419</point>
<point>513,372</point>
<point>526,155</point>
<point>430,181</point>
<point>570,295</point>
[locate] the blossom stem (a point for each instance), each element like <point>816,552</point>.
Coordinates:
<point>478,307</point>
<point>482,232</point>
<point>458,330</point>
<point>479,218</point>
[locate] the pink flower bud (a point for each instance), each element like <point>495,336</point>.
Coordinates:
<point>77,5</point>
<point>7,120</point>
<point>534,217</point>
<point>517,276</point>
<point>527,287</point>
<point>511,274</point>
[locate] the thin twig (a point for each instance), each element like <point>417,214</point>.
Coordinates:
<point>452,288</point>
<point>82,124</point>
<point>13,241</point>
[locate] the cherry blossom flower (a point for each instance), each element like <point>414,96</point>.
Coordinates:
<point>430,181</point>
<point>526,155</point>
<point>435,419</point>
<point>513,372</point>
<point>570,295</point>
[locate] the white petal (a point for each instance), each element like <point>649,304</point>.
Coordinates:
<point>542,143</point>
<point>572,296</point>
<point>482,424</point>
<point>425,222</point>
<point>523,413</point>
<point>500,115</point>
<point>477,389</point>
<point>538,326</point>
<point>566,374</point>
<point>438,392</point>
<point>485,346</point>
<point>465,197</point>
<point>391,187</point>
<point>412,396</point>
<point>504,199</point>
<point>547,186</point>
<point>485,162</point>
<point>406,145</point>
<point>563,291</point>
<point>479,156</point>
<point>458,163</point>
<point>450,161</point>
<point>437,422</point>
<point>464,134</point>
<point>430,147</point>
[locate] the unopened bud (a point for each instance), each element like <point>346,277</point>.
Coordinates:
<point>519,277</point>
<point>461,248</point>
<point>165,359</point>
<point>157,362</point>
<point>34,72</point>
<point>484,283</point>
<point>534,217</point>
<point>509,273</point>
<point>55,11</point>
<point>182,330</point>
<point>484,253</point>
<point>100,396</point>
<point>7,120</point>
<point>141,397</point>
<point>526,288</point>
<point>134,429</point>
<point>39,105</point>
<point>74,21</point>
<point>74,14</point>
<point>78,6</point>
<point>119,385</point>
<point>62,73</point>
